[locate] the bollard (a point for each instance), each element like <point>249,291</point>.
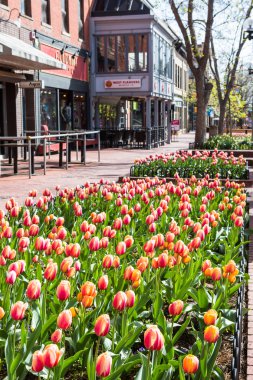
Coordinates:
<point>44,153</point>
<point>30,156</point>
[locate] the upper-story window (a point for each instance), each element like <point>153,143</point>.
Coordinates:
<point>45,9</point>
<point>65,15</point>
<point>122,53</point>
<point>80,20</point>
<point>26,8</point>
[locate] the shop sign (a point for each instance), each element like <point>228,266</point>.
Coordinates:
<point>31,84</point>
<point>122,83</point>
<point>175,125</point>
<point>76,67</point>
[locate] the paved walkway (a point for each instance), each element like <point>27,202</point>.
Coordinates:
<point>114,162</point>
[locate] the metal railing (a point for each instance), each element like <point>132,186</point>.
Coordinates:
<point>61,138</point>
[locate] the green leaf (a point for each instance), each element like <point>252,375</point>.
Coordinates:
<point>90,364</point>
<point>211,360</point>
<point>130,363</point>
<point>69,361</point>
<point>128,339</point>
<point>181,331</point>
<point>47,325</point>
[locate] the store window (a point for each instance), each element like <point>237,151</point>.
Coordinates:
<point>48,108</point>
<point>45,11</point>
<point>66,109</point>
<point>155,55</point>
<point>26,8</point>
<point>80,19</point>
<point>79,111</point>
<point>65,15</point>
<point>122,53</point>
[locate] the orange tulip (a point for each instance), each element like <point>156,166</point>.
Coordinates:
<point>18,310</point>
<point>64,320</point>
<point>153,339</point>
<point>87,301</point>
<point>88,289</point>
<point>130,298</point>
<point>103,365</point>
<point>216,274</point>
<point>136,275</point>
<point>116,262</point>
<point>33,289</point>
<point>206,264</point>
<point>142,263</point>
<point>128,272</point>
<point>190,364</point>
<point>66,264</point>
<point>37,361</point>
<point>210,317</point>
<point>50,271</point>
<point>211,334</point>
<point>107,261</point>
<point>102,325</point>
<point>2,313</point>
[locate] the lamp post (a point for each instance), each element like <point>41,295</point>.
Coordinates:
<point>248,34</point>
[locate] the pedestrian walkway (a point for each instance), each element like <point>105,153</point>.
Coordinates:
<point>114,163</point>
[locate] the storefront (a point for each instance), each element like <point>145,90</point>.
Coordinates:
<point>64,101</point>
<point>131,70</point>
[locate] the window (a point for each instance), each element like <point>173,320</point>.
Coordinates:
<point>45,9</point>
<point>48,108</point>
<point>80,20</point>
<point>65,15</point>
<point>122,53</point>
<point>26,8</point>
<point>4,2</point>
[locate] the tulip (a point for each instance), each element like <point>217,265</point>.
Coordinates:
<point>103,365</point>
<point>94,244</point>
<point>52,355</point>
<point>128,272</point>
<point>103,282</point>
<point>121,248</point>
<point>87,301</point>
<point>88,289</point>
<point>107,261</point>
<point>66,264</point>
<point>210,317</point>
<point>130,298</point>
<point>64,320</point>
<point>190,364</point>
<point>77,265</point>
<point>18,310</point>
<point>37,361</point>
<point>102,325</point>
<point>119,301</point>
<point>216,274</point>
<point>11,277</point>
<point>176,307</point>
<point>211,334</point>
<point>33,289</point>
<point>62,233</point>
<point>73,250</point>
<point>153,339</point>
<point>56,336</point>
<point>116,262</point>
<point>206,264</point>
<point>163,260</point>
<point>63,290</point>
<point>142,263</point>
<point>50,271</point>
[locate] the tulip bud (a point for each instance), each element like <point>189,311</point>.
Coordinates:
<point>211,334</point>
<point>50,271</point>
<point>64,320</point>
<point>102,325</point>
<point>210,317</point>
<point>33,289</point>
<point>103,282</point>
<point>18,310</point>
<point>11,277</point>
<point>153,339</point>
<point>176,307</point>
<point>56,336</point>
<point>107,261</point>
<point>103,365</point>
<point>37,361</point>
<point>190,364</point>
<point>94,244</point>
<point>63,290</point>
<point>119,301</point>
<point>121,248</point>
<point>88,289</point>
<point>52,355</point>
<point>130,298</point>
<point>128,272</point>
<point>216,274</point>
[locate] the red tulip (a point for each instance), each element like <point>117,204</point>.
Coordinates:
<point>102,325</point>
<point>107,261</point>
<point>121,248</point>
<point>18,310</point>
<point>216,274</point>
<point>63,290</point>
<point>56,336</point>
<point>103,282</point>
<point>64,320</point>
<point>11,277</point>
<point>190,364</point>
<point>33,289</point>
<point>50,271</point>
<point>128,272</point>
<point>37,361</point>
<point>153,339</point>
<point>211,334</point>
<point>103,365</point>
<point>176,307</point>
<point>52,355</point>
<point>119,301</point>
<point>94,244</point>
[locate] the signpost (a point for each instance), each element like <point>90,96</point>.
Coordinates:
<point>31,84</point>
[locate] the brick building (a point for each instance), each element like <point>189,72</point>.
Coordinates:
<point>47,41</point>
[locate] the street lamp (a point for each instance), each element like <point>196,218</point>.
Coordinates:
<point>248,34</point>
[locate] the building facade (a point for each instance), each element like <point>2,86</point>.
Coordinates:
<point>43,41</point>
<point>131,68</point>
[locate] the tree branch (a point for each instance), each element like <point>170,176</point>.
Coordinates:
<point>192,30</point>
<point>209,24</point>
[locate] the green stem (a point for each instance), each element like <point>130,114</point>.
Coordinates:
<point>96,355</point>
<point>148,374</point>
<point>113,330</point>
<point>172,326</point>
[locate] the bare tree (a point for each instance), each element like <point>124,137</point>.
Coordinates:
<point>226,84</point>
<point>197,57</point>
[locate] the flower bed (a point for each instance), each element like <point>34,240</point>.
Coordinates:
<point>120,280</point>
<point>185,164</point>
<point>223,142</point>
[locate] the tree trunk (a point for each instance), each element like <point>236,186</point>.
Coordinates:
<point>222,118</point>
<point>201,112</point>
